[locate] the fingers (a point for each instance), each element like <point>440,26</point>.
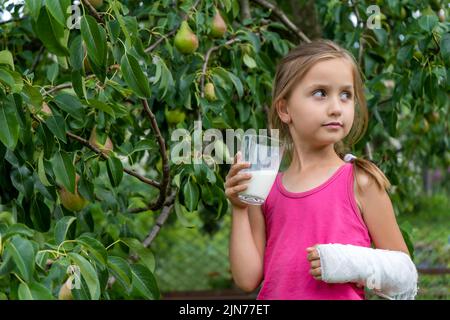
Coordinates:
<point>313,254</point>
<point>237,165</point>
<point>235,168</point>
<point>232,191</point>
<point>315,264</point>
<point>314,258</point>
<point>236,179</point>
<point>316,273</point>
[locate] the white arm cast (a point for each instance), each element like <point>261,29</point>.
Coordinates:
<point>391,274</point>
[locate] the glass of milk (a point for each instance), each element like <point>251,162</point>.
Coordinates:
<point>264,153</point>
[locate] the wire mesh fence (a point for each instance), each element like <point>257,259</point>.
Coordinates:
<point>188,259</point>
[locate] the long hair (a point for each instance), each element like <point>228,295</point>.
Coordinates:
<point>291,70</point>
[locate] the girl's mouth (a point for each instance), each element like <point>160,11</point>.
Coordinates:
<point>333,125</point>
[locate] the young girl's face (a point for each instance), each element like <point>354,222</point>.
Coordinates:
<point>321,106</point>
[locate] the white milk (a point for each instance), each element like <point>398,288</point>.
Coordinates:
<point>260,184</point>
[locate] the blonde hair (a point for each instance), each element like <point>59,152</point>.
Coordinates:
<point>291,70</point>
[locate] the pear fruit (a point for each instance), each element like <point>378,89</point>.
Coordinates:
<point>174,116</point>
<point>65,293</point>
<point>106,148</point>
<point>210,93</point>
<point>441,15</point>
<point>221,152</point>
<point>72,201</point>
<point>218,27</point>
<point>185,40</point>
<point>96,3</point>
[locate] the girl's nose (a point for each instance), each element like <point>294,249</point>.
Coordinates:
<point>335,108</point>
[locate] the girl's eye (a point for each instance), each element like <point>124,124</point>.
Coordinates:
<point>347,95</point>
<point>318,93</point>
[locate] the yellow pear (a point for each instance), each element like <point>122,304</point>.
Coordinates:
<point>185,40</point>
<point>106,148</point>
<point>174,116</point>
<point>72,201</point>
<point>96,3</point>
<point>218,27</point>
<point>65,293</point>
<point>46,109</point>
<point>210,93</point>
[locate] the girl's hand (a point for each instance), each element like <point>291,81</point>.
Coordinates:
<point>314,259</point>
<point>232,186</point>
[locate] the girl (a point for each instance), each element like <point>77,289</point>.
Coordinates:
<point>322,197</point>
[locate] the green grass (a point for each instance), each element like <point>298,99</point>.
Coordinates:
<point>430,232</point>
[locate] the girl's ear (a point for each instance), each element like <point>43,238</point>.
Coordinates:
<point>282,111</point>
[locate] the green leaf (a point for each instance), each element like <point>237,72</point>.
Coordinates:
<point>78,83</point>
<point>428,22</point>
<point>18,82</point>
<point>9,123</point>
<point>76,53</point>
<point>52,72</point>
<point>7,78</point>
<point>57,125</point>
<point>33,95</point>
<point>249,61</point>
<point>64,170</point>
<point>71,105</point>
<point>115,170</point>
<point>40,215</point>
<point>94,36</point>
<point>142,145</point>
<point>57,8</point>
<point>120,268</point>
<point>41,259</point>
<point>95,247</point>
<point>89,274</point>
<point>145,255</point>
<point>134,77</point>
<point>22,180</point>
<point>18,229</point>
<point>34,6</point>
<point>6,58</point>
<point>190,192</point>
<point>236,81</point>
<point>181,212</point>
<point>102,106</point>
<point>82,292</point>
<point>62,227</point>
<point>51,33</point>
<point>445,47</point>
<point>34,291</point>
<point>22,253</point>
<point>144,282</point>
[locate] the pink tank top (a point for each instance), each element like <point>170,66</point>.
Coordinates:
<point>325,214</point>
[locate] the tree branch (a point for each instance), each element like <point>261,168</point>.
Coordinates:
<point>205,65</point>
<point>160,220</point>
<point>165,160</point>
<point>92,11</point>
<point>361,40</point>
<point>284,19</point>
<point>245,10</point>
<point>37,59</point>
<point>184,16</point>
<point>104,156</point>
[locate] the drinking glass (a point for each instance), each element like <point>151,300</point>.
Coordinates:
<point>264,153</point>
